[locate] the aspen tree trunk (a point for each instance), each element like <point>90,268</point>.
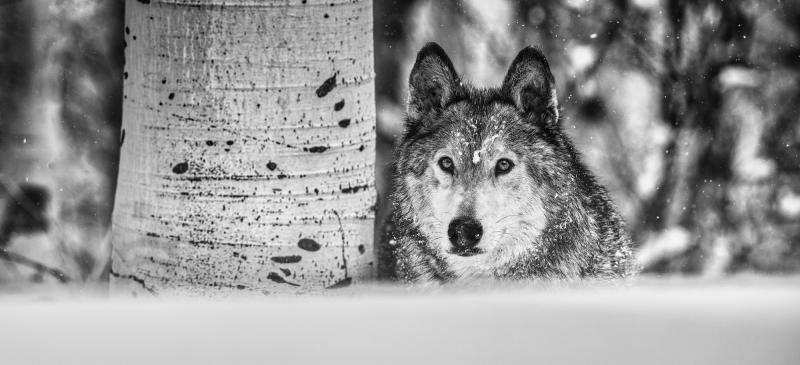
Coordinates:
<point>248,147</point>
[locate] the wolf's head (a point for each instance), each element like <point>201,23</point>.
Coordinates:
<point>479,171</point>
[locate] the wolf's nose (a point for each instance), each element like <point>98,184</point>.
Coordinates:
<point>465,232</point>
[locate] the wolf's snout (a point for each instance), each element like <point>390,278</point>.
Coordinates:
<point>465,232</point>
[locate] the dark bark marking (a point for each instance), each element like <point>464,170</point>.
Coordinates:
<point>327,86</point>
<point>308,244</point>
<point>354,189</point>
<point>338,106</point>
<point>341,283</point>
<point>344,244</point>
<point>316,149</point>
<point>286,259</point>
<point>136,279</point>
<point>278,279</point>
<point>181,168</point>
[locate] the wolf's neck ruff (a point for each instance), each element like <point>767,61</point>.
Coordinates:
<point>486,184</point>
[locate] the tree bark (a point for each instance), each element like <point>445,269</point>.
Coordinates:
<point>248,147</point>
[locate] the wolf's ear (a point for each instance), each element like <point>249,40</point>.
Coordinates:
<point>531,85</point>
<point>433,81</point>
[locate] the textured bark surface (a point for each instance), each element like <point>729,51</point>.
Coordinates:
<point>248,149</point>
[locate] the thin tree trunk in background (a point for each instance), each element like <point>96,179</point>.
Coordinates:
<point>248,147</point>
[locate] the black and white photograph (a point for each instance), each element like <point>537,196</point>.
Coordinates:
<point>400,182</point>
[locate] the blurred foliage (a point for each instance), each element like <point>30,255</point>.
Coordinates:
<point>686,109</point>
<point>60,110</point>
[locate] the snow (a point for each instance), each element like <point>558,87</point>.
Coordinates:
<point>789,204</point>
<point>581,56</point>
<point>670,242</point>
<point>744,320</point>
<point>646,4</point>
<point>476,156</point>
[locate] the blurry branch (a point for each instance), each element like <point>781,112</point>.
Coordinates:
<point>39,267</point>
<point>647,59</point>
<point>623,170</point>
<point>611,35</point>
<point>29,207</point>
<point>22,200</point>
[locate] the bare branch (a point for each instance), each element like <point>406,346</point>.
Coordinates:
<point>39,267</point>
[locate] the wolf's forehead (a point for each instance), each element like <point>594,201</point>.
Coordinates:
<point>482,127</point>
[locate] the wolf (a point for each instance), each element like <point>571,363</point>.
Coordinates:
<point>486,184</point>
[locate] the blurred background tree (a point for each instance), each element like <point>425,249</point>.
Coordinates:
<point>60,101</point>
<point>686,109</point>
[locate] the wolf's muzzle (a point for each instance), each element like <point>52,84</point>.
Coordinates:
<point>465,233</point>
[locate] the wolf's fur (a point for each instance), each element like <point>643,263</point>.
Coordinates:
<point>546,218</point>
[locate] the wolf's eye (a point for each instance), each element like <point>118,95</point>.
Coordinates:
<point>503,166</point>
<point>446,163</point>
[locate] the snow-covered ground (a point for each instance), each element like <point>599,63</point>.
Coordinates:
<point>739,320</point>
